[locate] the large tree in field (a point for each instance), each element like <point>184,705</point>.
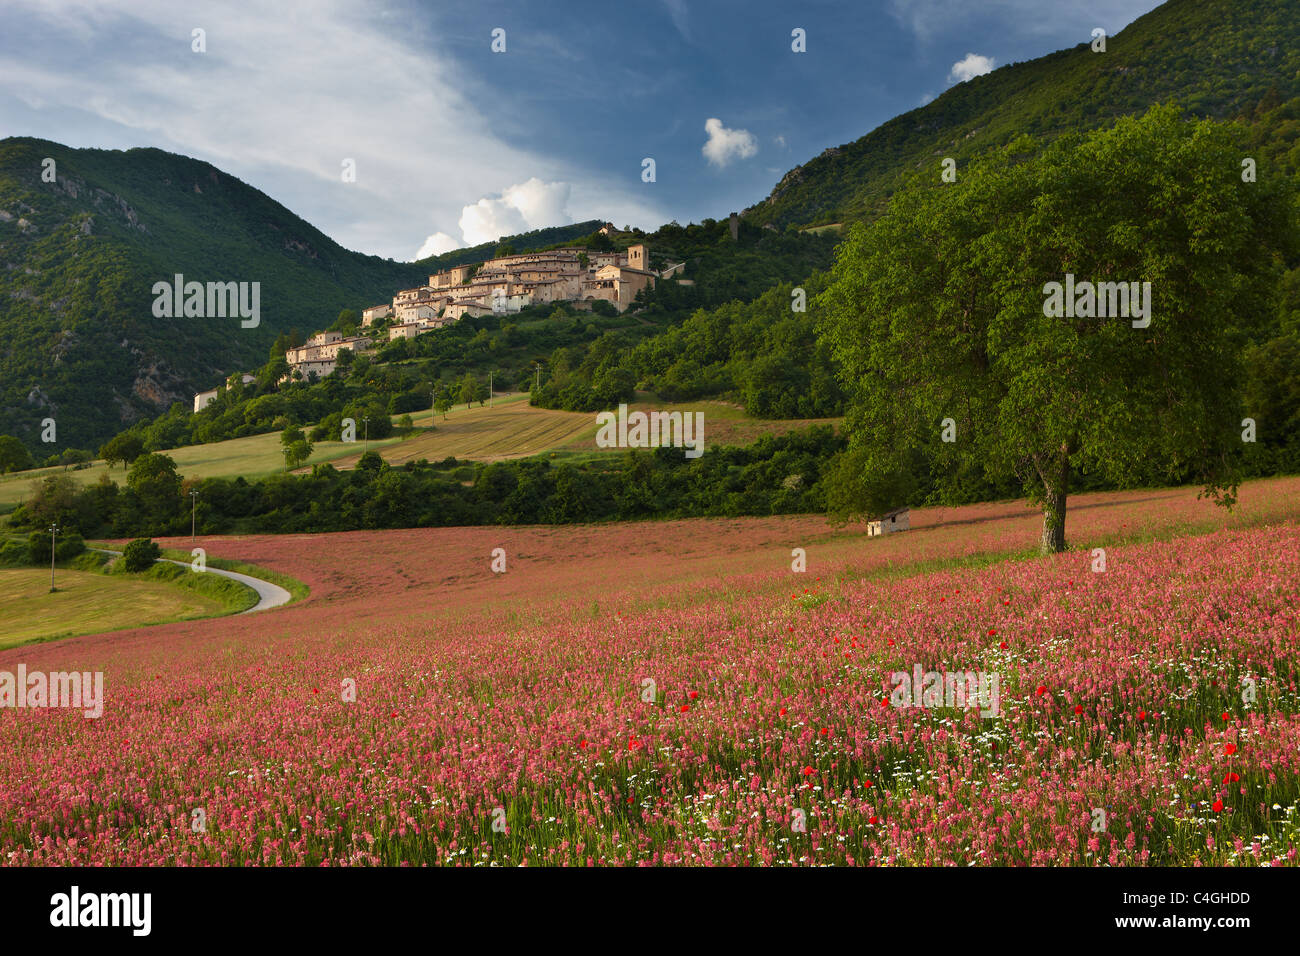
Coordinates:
<point>938,315</point>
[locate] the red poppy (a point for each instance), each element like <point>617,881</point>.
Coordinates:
<point>1003,645</point>
<point>1225,716</point>
<point>1231,778</point>
<point>1078,708</point>
<point>808,771</point>
<point>825,731</point>
<point>1142,715</point>
<point>781,712</point>
<point>874,820</point>
<point>685,708</point>
<point>1229,749</point>
<point>1042,689</point>
<point>992,632</point>
<point>694,694</point>
<point>1218,806</point>
<point>583,745</point>
<point>315,690</point>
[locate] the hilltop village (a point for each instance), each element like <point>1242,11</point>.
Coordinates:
<point>577,276</point>
<point>498,286</point>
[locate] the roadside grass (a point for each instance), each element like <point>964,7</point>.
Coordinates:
<point>296,588</point>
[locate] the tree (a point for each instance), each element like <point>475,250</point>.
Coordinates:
<point>442,402</point>
<point>125,447</point>
<point>296,454</point>
<point>155,482</point>
<point>14,455</point>
<point>140,555</point>
<point>346,322</point>
<point>937,314</point>
<point>297,449</point>
<point>467,391</point>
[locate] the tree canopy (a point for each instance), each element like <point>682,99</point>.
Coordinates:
<point>938,315</point>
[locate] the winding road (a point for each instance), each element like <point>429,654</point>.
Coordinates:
<point>268,595</point>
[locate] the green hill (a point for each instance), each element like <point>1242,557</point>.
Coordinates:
<point>79,257</point>
<point>1219,58</point>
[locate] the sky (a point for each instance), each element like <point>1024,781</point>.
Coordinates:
<point>406,129</point>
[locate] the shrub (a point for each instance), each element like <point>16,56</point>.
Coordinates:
<point>140,555</point>
<point>67,546</point>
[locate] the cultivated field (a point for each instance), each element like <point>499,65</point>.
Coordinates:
<point>253,457</point>
<point>509,428</point>
<point>673,693</point>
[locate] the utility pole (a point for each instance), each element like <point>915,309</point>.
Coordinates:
<point>54,530</point>
<point>194,504</point>
<point>366,422</point>
<point>433,400</point>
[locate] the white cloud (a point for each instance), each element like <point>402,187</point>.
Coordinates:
<point>926,98</point>
<point>724,144</point>
<point>126,76</point>
<point>780,141</point>
<point>436,245</point>
<point>528,205</point>
<point>969,67</point>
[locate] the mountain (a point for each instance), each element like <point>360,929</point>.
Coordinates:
<point>79,257</point>
<point>1218,58</point>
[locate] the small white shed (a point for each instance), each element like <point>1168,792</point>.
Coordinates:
<point>888,523</point>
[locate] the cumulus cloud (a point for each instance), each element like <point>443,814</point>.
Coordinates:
<point>126,76</point>
<point>724,144</point>
<point>528,205</point>
<point>436,245</point>
<point>970,66</point>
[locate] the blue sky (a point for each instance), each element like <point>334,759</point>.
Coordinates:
<point>456,144</point>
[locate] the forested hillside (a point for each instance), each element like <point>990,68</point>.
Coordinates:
<point>1218,58</point>
<point>80,255</point>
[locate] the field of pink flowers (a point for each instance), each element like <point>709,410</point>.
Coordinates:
<point>746,724</point>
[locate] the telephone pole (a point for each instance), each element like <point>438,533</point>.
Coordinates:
<point>54,530</point>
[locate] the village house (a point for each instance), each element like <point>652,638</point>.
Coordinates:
<point>373,314</point>
<point>888,523</point>
<point>203,399</point>
<point>320,353</point>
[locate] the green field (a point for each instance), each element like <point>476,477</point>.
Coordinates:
<point>253,457</point>
<point>509,428</point>
<point>87,602</point>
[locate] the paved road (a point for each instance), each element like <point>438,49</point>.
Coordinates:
<point>268,595</point>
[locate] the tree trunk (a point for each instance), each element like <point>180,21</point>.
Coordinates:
<point>1056,486</point>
